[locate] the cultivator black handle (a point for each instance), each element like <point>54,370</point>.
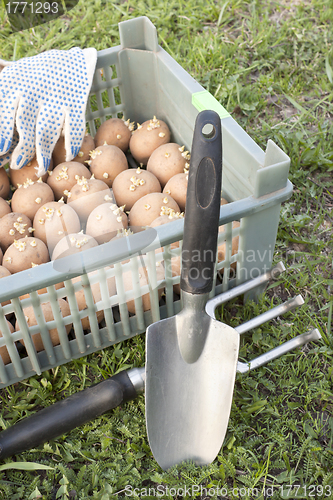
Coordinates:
<point>71,412</point>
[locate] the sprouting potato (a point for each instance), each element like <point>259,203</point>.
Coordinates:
<point>148,137</point>
<point>168,160</point>
<point>4,183</point>
<point>177,188</point>
<point>29,171</point>
<point>132,184</point>
<point>64,176</point>
<point>88,194</point>
<point>4,207</point>
<point>13,226</point>
<point>3,274</point>
<point>59,152</point>
<point>53,221</point>
<point>30,196</point>
<point>72,244</point>
<point>114,132</point>
<point>4,354</point>
<point>221,251</point>
<point>97,296</point>
<point>149,207</point>
<point>25,253</point>
<point>143,280</point>
<point>104,222</point>
<point>48,316</point>
<point>107,162</point>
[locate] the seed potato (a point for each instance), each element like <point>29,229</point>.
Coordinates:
<point>97,296</point>
<point>148,137</point>
<point>107,162</point>
<point>115,132</point>
<point>72,244</point>
<point>64,177</point>
<point>88,194</point>
<point>222,247</point>
<point>151,206</point>
<point>41,291</point>
<point>176,269</point>
<point>30,196</point>
<point>3,350</point>
<point>23,174</point>
<point>165,219</point>
<point>221,251</point>
<point>48,316</point>
<point>53,221</point>
<point>132,184</point>
<point>143,280</point>
<point>4,207</point>
<point>14,226</point>
<point>175,262</point>
<point>4,183</point>
<point>82,304</point>
<point>3,273</point>
<point>177,188</point>
<point>25,253</point>
<point>105,221</point>
<point>59,152</point>
<point>168,160</point>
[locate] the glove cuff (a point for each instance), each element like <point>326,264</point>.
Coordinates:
<point>4,63</point>
<point>90,56</point>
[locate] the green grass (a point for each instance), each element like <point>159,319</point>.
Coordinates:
<point>271,65</point>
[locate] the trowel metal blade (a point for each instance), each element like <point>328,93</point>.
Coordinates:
<point>188,404</point>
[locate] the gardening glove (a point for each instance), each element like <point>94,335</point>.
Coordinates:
<point>40,97</point>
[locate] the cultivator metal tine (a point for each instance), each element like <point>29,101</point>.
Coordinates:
<point>238,290</point>
<point>279,310</point>
<point>279,351</point>
<point>289,305</point>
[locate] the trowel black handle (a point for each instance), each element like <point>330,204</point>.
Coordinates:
<point>203,201</point>
<point>67,414</point>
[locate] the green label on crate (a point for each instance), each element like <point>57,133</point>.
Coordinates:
<point>205,100</point>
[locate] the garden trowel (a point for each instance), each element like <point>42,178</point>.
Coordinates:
<point>191,359</point>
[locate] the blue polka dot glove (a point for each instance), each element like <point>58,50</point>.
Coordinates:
<point>40,97</point>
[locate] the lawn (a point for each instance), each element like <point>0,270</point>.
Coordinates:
<point>270,64</point>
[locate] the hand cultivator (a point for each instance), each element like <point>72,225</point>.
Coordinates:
<point>84,406</point>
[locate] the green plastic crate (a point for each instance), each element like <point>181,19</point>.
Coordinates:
<point>139,80</point>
